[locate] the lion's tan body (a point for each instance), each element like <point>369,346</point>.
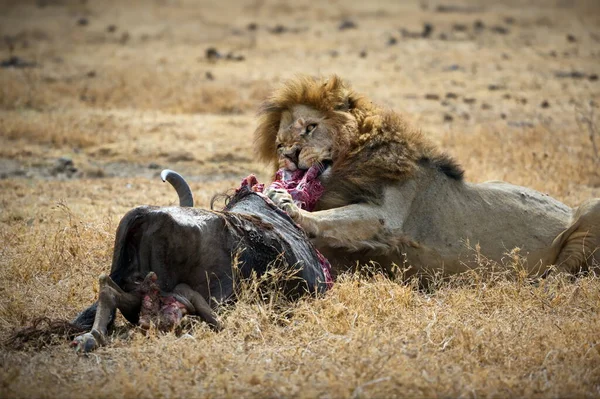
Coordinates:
<point>392,197</point>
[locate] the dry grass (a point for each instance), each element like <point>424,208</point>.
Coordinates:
<point>123,102</point>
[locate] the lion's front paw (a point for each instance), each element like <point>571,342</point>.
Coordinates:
<point>88,342</point>
<point>284,201</point>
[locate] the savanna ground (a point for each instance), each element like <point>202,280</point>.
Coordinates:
<point>125,88</point>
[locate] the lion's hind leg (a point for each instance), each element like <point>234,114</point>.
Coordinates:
<point>111,297</point>
<point>580,243</point>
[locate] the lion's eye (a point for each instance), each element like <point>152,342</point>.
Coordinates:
<point>311,127</point>
<point>279,146</point>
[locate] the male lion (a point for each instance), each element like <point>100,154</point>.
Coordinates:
<point>391,191</point>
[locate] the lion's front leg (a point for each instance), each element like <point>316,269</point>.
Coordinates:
<point>356,226</point>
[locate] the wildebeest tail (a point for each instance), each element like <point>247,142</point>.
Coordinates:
<point>85,319</point>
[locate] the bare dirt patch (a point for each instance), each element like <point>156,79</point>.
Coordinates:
<point>97,97</point>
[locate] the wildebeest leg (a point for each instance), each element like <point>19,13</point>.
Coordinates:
<point>201,307</point>
<point>111,297</point>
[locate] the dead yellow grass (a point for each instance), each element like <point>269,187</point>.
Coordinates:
<point>125,101</point>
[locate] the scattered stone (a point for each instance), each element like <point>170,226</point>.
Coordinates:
<point>64,165</point>
<point>593,77</point>
<point>503,115</point>
<point>363,54</point>
<point>91,74</point>
<point>466,116</point>
<point>153,165</point>
<point>459,27</point>
<point>451,95</point>
<point>448,8</point>
<point>571,38</point>
<point>495,87</point>
<point>16,62</point>
<point>448,118</point>
<point>424,34</point>
<point>506,96</point>
<point>334,53</point>
<point>431,96</point>
<point>571,74</point>
<point>486,106</point>
<point>445,103</point>
<point>212,53</point>
<point>252,26</point>
<point>347,24</point>
<point>501,30</point>
<point>505,56</point>
<point>278,29</point>
<point>453,67</point>
<point>478,25</point>
<point>553,54</point>
<point>111,28</point>
<point>509,20</point>
<point>545,104</point>
<point>427,30</point>
<point>469,100</point>
<point>83,21</point>
<point>392,41</point>
<point>233,57</point>
<point>209,75</point>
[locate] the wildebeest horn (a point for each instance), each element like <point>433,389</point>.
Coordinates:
<point>186,198</point>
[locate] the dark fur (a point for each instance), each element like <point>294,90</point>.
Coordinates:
<point>198,247</point>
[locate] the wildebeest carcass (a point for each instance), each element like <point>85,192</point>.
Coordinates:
<point>182,259</point>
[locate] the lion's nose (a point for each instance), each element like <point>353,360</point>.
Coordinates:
<point>293,155</point>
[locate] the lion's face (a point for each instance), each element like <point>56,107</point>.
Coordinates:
<point>303,139</point>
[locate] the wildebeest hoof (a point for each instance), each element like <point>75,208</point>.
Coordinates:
<point>87,342</point>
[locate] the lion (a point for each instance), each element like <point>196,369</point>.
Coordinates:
<point>392,197</point>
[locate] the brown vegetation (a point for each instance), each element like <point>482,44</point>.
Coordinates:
<point>126,88</point>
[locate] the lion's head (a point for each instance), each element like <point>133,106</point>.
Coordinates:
<point>315,120</point>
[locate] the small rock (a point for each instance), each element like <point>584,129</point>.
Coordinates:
<point>453,67</point>
<point>111,28</point>
<point>347,24</point>
<point>503,115</point>
<point>252,26</point>
<point>64,165</point>
<point>234,57</point>
<point>451,95</point>
<point>443,36</point>
<point>486,106</point>
<point>363,54</point>
<point>153,165</point>
<point>459,27</point>
<point>571,38</point>
<point>212,53</point>
<point>571,74</point>
<point>506,96</point>
<point>448,118</point>
<point>431,96</point>
<point>278,29</point>
<point>91,74</point>
<point>469,100</point>
<point>478,25</point>
<point>501,30</point>
<point>427,30</point>
<point>545,104</point>
<point>466,116</point>
<point>83,21</point>
<point>509,20</point>
<point>494,87</point>
<point>553,54</point>
<point>16,62</point>
<point>392,41</point>
<point>334,53</point>
<point>209,75</point>
<point>593,77</point>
